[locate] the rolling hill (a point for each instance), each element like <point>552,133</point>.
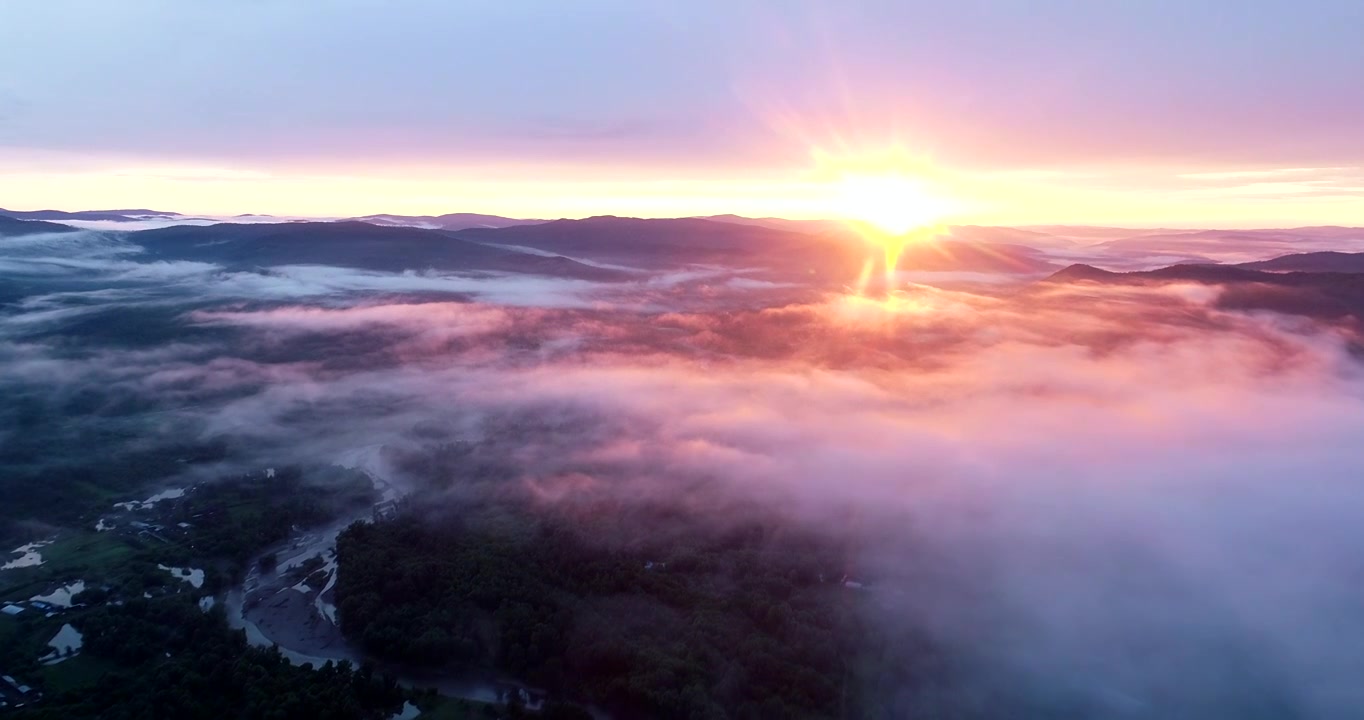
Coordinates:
<point>834,256</point>
<point>350,244</point>
<point>14,227</point>
<point>1326,261</point>
<point>680,242</point>
<point>109,215</point>
<point>449,221</point>
<point>1320,295</point>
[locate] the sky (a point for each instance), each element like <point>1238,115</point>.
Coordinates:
<point>1136,112</point>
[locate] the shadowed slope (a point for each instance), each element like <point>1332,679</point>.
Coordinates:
<point>350,244</point>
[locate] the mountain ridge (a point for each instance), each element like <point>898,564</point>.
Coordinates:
<point>350,244</point>
<point>15,227</point>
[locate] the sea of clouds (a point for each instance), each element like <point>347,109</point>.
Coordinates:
<point>1103,501</point>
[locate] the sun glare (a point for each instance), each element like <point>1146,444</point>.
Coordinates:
<point>892,203</point>
<point>892,198</point>
<point>885,189</point>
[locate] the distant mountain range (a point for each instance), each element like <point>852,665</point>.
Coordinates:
<point>1193,243</point>
<point>545,247</point>
<point>1325,261</point>
<point>449,221</point>
<point>1329,294</point>
<point>631,238</point>
<point>1285,269</point>
<point>1097,233</point>
<point>805,226</point>
<point>680,243</point>
<point>14,227</point>
<point>835,254</point>
<point>350,244</point>
<point>112,215</point>
<point>1190,272</point>
<point>594,248</point>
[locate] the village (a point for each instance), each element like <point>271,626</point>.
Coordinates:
<point>166,557</point>
<point>47,585</point>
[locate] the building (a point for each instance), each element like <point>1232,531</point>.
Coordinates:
<point>386,510</point>
<point>16,693</point>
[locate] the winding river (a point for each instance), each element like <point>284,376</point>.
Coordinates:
<point>301,621</point>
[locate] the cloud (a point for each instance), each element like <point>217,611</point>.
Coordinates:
<point>1106,472</point>
<point>1110,501</point>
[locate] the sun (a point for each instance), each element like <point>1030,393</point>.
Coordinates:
<point>890,211</point>
<point>893,203</point>
<point>891,198</point>
<point>885,190</point>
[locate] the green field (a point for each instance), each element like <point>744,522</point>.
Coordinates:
<point>88,551</point>
<point>76,555</point>
<point>98,558</point>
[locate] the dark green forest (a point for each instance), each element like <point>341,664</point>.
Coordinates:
<point>234,520</point>
<point>150,650</point>
<point>166,658</point>
<point>744,622</point>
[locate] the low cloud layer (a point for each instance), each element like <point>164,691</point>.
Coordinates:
<point>1103,501</point>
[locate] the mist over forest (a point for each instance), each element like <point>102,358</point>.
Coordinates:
<point>1085,493</point>
<point>619,360</point>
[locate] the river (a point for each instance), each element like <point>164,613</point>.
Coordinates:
<point>301,621</point>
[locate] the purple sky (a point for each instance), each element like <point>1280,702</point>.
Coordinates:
<point>1138,91</point>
